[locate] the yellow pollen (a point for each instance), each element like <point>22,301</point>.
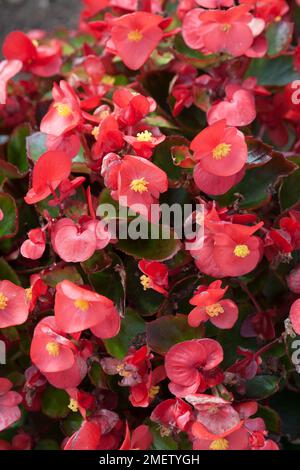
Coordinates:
<point>241,251</point>
<point>28,293</point>
<point>145,281</point>
<point>145,136</point>
<point>95,132</point>
<point>219,444</point>
<point>226,27</point>
<point>108,80</point>
<point>135,35</point>
<point>52,349</point>
<point>277,19</point>
<point>221,151</point>
<point>214,310</point>
<point>139,185</point>
<point>35,43</point>
<point>122,372</point>
<point>63,109</point>
<point>81,304</point>
<point>154,390</point>
<point>3,301</point>
<point>73,405</point>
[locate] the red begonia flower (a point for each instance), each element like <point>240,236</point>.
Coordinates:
<point>34,247</point>
<point>189,365</point>
<point>172,414</point>
<point>140,183</point>
<point>293,280</point>
<point>50,350</point>
<point>9,401</point>
<point>215,417</point>
<point>210,306</point>
<point>108,136</point>
<point>155,276</point>
<point>8,69</point>
<point>215,185</point>
<point>219,30</point>
<point>238,108</point>
<point>86,438</point>
<point>221,150</point>
<point>135,36</point>
<point>237,440</point>
<point>144,142</point>
<point>64,114</point>
<point>50,170</point>
<point>14,307</point>
<point>41,60</point>
<point>77,309</point>
<point>295,316</point>
<point>131,107</point>
<point>71,242</point>
<point>141,438</point>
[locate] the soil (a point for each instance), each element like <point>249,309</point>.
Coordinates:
<point>34,14</point>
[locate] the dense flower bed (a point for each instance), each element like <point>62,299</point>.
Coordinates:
<point>172,342</point>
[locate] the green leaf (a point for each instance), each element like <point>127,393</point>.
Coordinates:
<point>262,386</point>
<point>289,193</point>
<point>270,417</point>
<point>6,272</point>
<point>131,327</point>
<point>279,36</point>
<point>169,330</point>
<point>72,423</point>
<point>161,442</point>
<point>47,444</point>
<point>162,156</point>
<point>286,404</point>
<point>9,222</point>
<point>266,169</point>
<point>273,72</point>
<point>194,57</point>
<point>16,149</point>
<point>164,247</point>
<point>55,403</point>
<point>60,273</point>
<point>146,302</point>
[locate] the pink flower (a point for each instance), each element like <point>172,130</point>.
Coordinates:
<point>140,183</point>
<point>8,69</point>
<point>64,114</point>
<point>221,150</point>
<point>14,308</point>
<point>295,316</point>
<point>9,401</point>
<point>155,276</point>
<point>34,247</point>
<point>210,306</point>
<point>191,366</point>
<point>77,309</point>
<point>50,170</point>
<point>135,36</point>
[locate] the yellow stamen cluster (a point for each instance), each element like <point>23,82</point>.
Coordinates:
<point>135,36</point>
<point>241,251</point>
<point>214,310</point>
<point>108,80</point>
<point>95,132</point>
<point>145,281</point>
<point>81,304</point>
<point>221,151</point>
<point>226,27</point>
<point>219,444</point>
<point>63,109</point>
<point>122,372</point>
<point>52,349</point>
<point>139,185</point>
<point>145,136</point>
<point>73,405</point>
<point>3,301</point>
<point>154,390</point>
<point>28,293</point>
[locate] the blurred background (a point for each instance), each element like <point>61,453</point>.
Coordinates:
<point>32,14</point>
